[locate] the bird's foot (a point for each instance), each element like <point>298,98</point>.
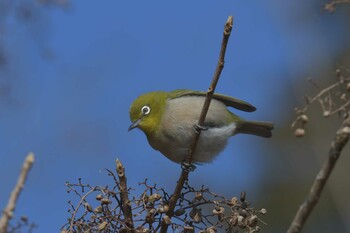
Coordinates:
<point>188,166</point>
<point>199,128</point>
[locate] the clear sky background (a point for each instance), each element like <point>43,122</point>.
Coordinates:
<point>70,74</point>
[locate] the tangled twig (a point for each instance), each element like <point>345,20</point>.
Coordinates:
<point>198,209</point>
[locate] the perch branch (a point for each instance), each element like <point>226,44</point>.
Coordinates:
<point>338,143</point>
<point>210,92</point>
<point>11,205</point>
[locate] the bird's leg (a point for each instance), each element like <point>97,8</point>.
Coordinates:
<point>188,166</point>
<point>199,128</point>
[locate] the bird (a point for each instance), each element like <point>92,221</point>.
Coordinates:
<point>169,120</point>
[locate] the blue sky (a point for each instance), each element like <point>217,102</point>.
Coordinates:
<point>72,110</point>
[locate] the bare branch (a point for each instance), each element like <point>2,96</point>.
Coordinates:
<point>331,6</point>
<point>124,196</point>
<point>11,205</point>
<point>210,92</point>
<point>197,210</point>
<point>326,98</point>
<point>340,140</point>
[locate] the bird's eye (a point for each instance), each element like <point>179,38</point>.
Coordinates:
<point>145,110</point>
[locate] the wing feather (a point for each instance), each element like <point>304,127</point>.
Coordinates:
<point>227,100</point>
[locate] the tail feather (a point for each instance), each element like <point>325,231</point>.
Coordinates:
<point>258,128</point>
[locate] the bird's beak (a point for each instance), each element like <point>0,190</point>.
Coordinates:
<point>134,124</point>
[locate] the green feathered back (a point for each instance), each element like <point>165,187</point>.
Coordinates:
<point>227,100</point>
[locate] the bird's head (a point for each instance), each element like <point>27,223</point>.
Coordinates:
<point>147,110</point>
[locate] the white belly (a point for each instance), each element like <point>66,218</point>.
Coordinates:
<point>177,132</point>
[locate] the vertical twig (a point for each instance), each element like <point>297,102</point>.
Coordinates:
<point>124,196</point>
<point>337,145</point>
<point>210,92</point>
<point>11,205</point>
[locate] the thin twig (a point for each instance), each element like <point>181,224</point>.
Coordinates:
<point>338,143</point>
<point>124,196</point>
<point>11,205</point>
<point>82,199</point>
<point>210,92</point>
<point>318,96</point>
<point>341,108</point>
<point>322,92</point>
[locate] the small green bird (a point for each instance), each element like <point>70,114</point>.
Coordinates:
<point>168,120</point>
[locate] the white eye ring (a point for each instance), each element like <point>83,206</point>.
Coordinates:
<point>145,110</point>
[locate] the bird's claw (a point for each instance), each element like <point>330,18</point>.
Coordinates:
<point>199,128</point>
<point>188,166</point>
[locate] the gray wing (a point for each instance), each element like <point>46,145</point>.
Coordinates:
<point>227,100</point>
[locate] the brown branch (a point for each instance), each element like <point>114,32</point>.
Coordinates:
<point>338,143</point>
<point>332,5</point>
<point>124,196</point>
<point>210,92</point>
<point>11,205</point>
